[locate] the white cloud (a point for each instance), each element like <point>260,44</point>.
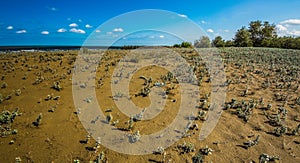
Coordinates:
<point>88,26</point>
<point>61,30</point>
<point>161,36</point>
<point>203,22</point>
<point>75,30</point>
<point>291,22</point>
<point>118,30</point>
<point>73,25</point>
<point>281,27</point>
<point>210,31</point>
<point>9,27</point>
<point>182,15</point>
<point>294,33</point>
<point>109,33</point>
<point>45,32</point>
<point>226,30</point>
<point>53,9</point>
<point>80,20</point>
<point>21,31</point>
<point>151,36</point>
<point>97,31</point>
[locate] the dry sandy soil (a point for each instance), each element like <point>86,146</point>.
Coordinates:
<point>60,136</point>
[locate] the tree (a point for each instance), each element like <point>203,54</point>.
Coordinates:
<point>218,42</point>
<point>262,33</point>
<point>243,38</point>
<point>256,32</point>
<point>203,42</point>
<point>186,45</point>
<point>229,43</point>
<point>183,45</point>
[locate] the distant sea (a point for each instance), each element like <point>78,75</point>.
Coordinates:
<point>52,48</point>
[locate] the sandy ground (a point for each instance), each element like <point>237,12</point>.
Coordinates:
<point>60,135</point>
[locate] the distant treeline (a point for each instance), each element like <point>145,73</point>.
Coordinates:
<point>257,34</point>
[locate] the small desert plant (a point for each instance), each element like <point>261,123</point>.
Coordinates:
<point>206,150</point>
<point>201,115</point>
<point>296,130</point>
<point>18,160</point>
<point>98,143</point>
<point>130,123</point>
<point>134,137</point>
<point>109,118</point>
<point>297,101</point>
<point>251,143</point>
<point>1,98</point>
<point>100,158</point>
<point>144,92</point>
<point>186,147</point>
<point>138,117</point>
<point>160,150</point>
<point>38,120</point>
<point>57,86</point>
<point>87,138</point>
<point>18,92</point>
<point>4,85</point>
<point>265,158</point>
<point>279,131</point>
<point>198,158</point>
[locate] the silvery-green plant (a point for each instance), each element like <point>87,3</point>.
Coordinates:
<point>206,150</point>
<point>134,137</point>
<point>38,120</point>
<point>109,118</point>
<point>296,130</point>
<point>57,86</point>
<point>198,158</point>
<point>279,131</point>
<point>18,160</point>
<point>139,116</point>
<point>18,92</point>
<point>265,158</point>
<point>251,143</point>
<point>4,85</point>
<point>160,150</point>
<point>130,123</point>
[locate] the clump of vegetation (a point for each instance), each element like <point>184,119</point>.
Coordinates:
<point>186,148</point>
<point>198,158</point>
<point>18,92</point>
<point>251,143</point>
<point>144,92</point>
<point>134,137</point>
<point>139,117</point>
<point>265,158</point>
<point>296,130</point>
<point>57,86</point>
<point>109,118</point>
<point>279,131</point>
<point>4,85</point>
<point>206,150</point>
<point>6,119</point>
<point>100,158</point>
<point>38,120</point>
<point>297,101</point>
<point>97,144</point>
<point>183,45</point>
<point>242,109</point>
<point>130,123</point>
<point>1,98</point>
<point>160,150</point>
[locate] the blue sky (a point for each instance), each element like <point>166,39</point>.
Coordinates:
<point>58,22</point>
